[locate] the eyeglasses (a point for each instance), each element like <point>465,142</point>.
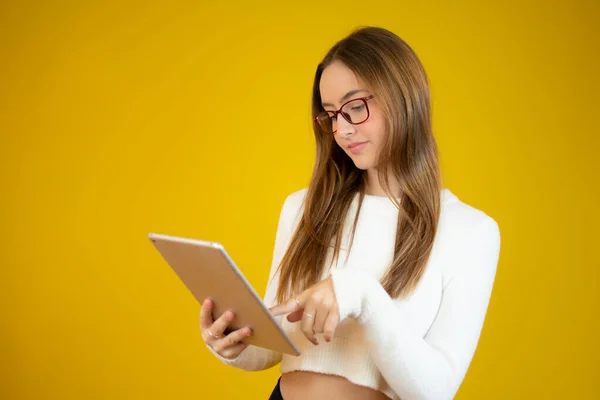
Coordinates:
<point>355,111</point>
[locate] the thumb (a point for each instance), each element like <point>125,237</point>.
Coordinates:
<point>284,308</point>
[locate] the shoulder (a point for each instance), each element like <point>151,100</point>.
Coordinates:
<point>461,220</point>
<point>296,199</point>
<point>293,204</point>
<point>467,239</point>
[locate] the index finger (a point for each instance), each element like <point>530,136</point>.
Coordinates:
<point>206,317</point>
<point>290,305</point>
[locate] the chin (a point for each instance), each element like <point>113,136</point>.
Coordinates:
<point>362,164</point>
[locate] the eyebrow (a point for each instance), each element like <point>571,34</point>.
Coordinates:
<point>345,97</point>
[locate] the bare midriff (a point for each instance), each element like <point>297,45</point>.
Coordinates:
<point>302,385</point>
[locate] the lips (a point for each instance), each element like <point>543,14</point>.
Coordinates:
<point>355,144</point>
<point>356,147</point>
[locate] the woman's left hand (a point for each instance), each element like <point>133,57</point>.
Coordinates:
<point>316,307</point>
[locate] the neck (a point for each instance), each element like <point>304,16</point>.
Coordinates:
<point>374,188</point>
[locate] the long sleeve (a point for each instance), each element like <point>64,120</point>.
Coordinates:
<point>430,367</point>
<point>255,358</point>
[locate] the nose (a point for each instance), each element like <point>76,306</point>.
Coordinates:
<point>344,128</point>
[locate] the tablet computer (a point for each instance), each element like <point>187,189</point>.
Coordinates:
<point>207,270</point>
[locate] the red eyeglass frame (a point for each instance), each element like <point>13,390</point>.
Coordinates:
<point>365,100</point>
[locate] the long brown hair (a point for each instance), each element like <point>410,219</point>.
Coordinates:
<point>392,70</point>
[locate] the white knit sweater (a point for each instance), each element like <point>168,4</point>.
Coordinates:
<point>413,348</point>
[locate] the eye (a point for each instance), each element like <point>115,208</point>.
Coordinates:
<point>358,107</point>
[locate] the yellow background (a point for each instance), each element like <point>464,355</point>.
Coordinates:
<point>191,118</point>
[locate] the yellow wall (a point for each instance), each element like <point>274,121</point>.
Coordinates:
<point>192,119</point>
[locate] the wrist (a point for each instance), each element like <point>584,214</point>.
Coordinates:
<point>349,286</point>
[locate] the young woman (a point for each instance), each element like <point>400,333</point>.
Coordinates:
<point>384,276</point>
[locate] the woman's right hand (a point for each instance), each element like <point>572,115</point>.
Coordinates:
<point>213,332</point>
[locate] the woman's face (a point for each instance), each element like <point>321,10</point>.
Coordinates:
<point>360,142</point>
